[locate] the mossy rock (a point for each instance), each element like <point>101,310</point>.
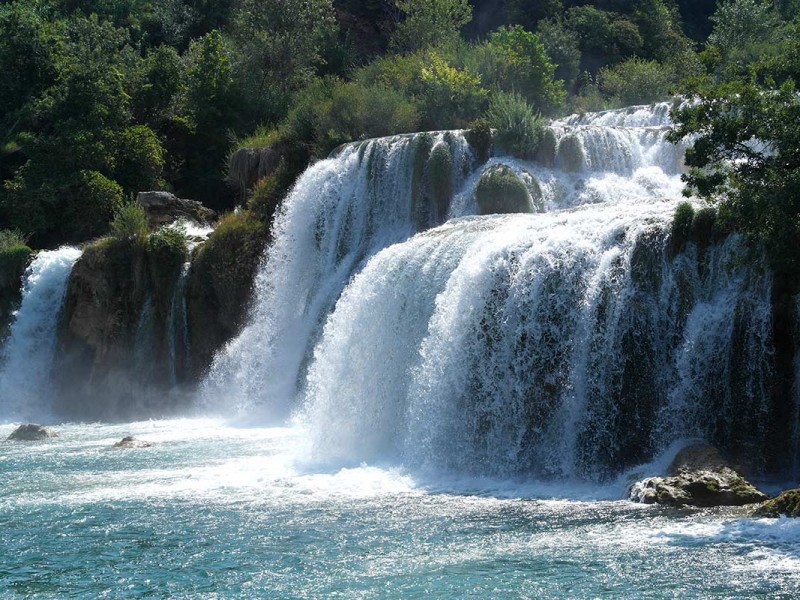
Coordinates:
<point>167,252</point>
<point>440,178</point>
<point>500,191</point>
<point>681,230</point>
<point>699,476</point>
<point>221,284</point>
<point>784,504</point>
<point>570,154</point>
<point>480,138</point>
<point>546,152</point>
<point>704,227</point>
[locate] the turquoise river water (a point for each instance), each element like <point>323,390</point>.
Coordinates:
<point>217,511</point>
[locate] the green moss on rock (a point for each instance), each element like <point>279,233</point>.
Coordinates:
<point>681,230</point>
<point>784,504</point>
<point>440,178</point>
<point>546,152</point>
<point>499,190</point>
<point>221,284</point>
<point>570,154</point>
<point>480,139</point>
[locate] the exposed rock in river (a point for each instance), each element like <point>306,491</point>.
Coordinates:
<point>786,503</point>
<point>31,432</point>
<point>131,442</point>
<point>699,476</point>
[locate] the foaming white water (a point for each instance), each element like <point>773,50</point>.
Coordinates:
<point>564,345</point>
<point>341,211</point>
<point>27,356</point>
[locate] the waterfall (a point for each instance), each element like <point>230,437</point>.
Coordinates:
<point>342,211</point>
<point>178,329</point>
<point>574,342</point>
<point>27,356</point>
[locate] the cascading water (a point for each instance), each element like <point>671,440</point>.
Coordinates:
<point>341,212</point>
<point>572,343</point>
<point>27,356</point>
<point>178,329</point>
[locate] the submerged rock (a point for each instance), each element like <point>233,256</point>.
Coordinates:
<point>786,503</point>
<point>699,476</point>
<point>31,432</point>
<point>131,442</point>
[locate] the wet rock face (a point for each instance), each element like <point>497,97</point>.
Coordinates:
<point>699,476</point>
<point>131,442</point>
<point>31,432</point>
<point>784,504</point>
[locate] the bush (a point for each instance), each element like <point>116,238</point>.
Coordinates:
<point>130,223</point>
<point>637,81</point>
<point>519,130</point>
<point>499,190</point>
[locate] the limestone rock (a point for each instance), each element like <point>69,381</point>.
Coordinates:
<point>31,432</point>
<point>699,476</point>
<point>163,208</point>
<point>131,442</point>
<point>786,503</point>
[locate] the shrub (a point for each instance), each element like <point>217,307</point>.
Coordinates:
<point>499,190</point>
<point>450,97</point>
<point>130,223</point>
<point>637,81</point>
<point>519,130</point>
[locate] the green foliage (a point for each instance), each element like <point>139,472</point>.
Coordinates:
<point>11,238</point>
<point>451,97</point>
<point>744,31</point>
<point>637,81</point>
<point>570,153</point>
<point>279,47</point>
<point>130,223</point>
<point>519,129</point>
<point>562,47</point>
<point>428,23</point>
<point>757,185</point>
<point>515,60</point>
<point>499,190</point>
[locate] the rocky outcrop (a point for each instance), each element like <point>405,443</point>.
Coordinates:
<point>13,262</point>
<point>784,504</point>
<point>247,166</point>
<point>31,432</point>
<point>131,442</point>
<point>699,476</point>
<point>220,286</point>
<point>163,208</point>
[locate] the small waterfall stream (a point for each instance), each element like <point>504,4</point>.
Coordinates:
<point>27,355</point>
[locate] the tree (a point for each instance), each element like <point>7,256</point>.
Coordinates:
<point>278,48</point>
<point>561,45</point>
<point>428,23</point>
<point>744,31</point>
<point>746,158</point>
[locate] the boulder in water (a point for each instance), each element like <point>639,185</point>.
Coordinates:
<point>131,442</point>
<point>500,190</point>
<point>31,432</point>
<point>699,476</point>
<point>786,503</point>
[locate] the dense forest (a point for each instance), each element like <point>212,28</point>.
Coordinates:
<point>100,99</point>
